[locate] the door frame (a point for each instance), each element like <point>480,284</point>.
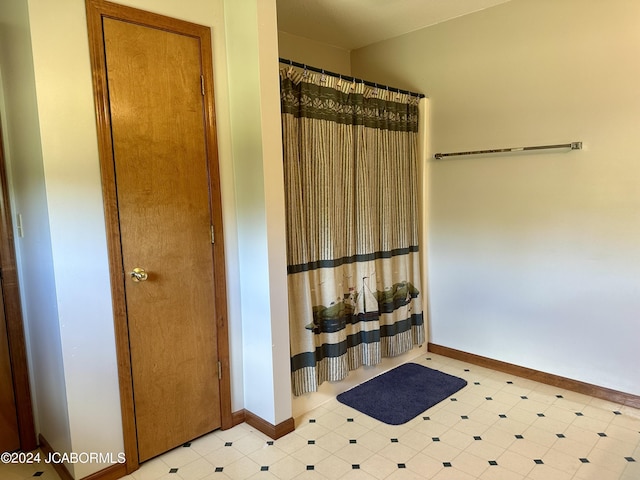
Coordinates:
<point>96,11</point>
<point>13,316</point>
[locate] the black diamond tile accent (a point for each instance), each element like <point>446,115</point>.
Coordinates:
<point>584,460</point>
<point>617,412</point>
<point>270,442</point>
<point>559,396</point>
<point>510,382</point>
<point>311,442</point>
<point>219,469</point>
<point>488,398</point>
<point>519,437</point>
<point>579,414</point>
<point>228,444</point>
<point>602,434</point>
<point>464,417</point>
<point>173,470</point>
<point>311,467</point>
<point>426,418</point>
<point>454,399</point>
<point>349,420</point>
<point>476,383</point>
<point>502,415</point>
<point>435,439</point>
<point>493,462</point>
<point>402,465</point>
<point>188,444</point>
<point>477,437</point>
<point>428,358</point>
<point>466,370</point>
<point>560,435</point>
<point>541,414</point>
<point>524,397</point>
<point>353,440</point>
<point>394,440</point>
<point>264,468</point>
<point>312,420</point>
<point>38,474</point>
<point>355,466</point>
<point>447,464</point>
<point>538,461</point>
<point>630,459</point>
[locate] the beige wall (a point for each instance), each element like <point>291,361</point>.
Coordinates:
<point>534,259</point>
<point>257,152</point>
<point>316,54</point>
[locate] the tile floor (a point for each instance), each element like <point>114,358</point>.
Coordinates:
<point>498,427</point>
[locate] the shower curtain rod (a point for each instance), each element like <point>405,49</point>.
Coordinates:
<point>572,146</point>
<point>349,79</point>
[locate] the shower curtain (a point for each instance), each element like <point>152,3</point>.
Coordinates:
<point>352,190</point>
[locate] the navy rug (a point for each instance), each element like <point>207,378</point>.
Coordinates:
<point>397,396</point>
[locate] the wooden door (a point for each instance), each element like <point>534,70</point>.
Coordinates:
<point>162,201</point>
<point>155,91</point>
<point>9,436</point>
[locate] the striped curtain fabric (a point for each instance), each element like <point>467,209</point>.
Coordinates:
<point>352,190</point>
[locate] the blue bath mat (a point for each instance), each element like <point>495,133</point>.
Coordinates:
<point>397,396</point>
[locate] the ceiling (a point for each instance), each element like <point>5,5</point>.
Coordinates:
<point>352,24</point>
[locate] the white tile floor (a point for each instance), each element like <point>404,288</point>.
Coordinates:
<point>498,427</point>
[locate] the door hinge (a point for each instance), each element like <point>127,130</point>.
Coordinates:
<point>202,84</point>
<point>219,371</point>
<point>213,235</point>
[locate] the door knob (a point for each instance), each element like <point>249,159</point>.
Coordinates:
<point>138,275</point>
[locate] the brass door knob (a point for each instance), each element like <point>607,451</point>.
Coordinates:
<point>138,275</point>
